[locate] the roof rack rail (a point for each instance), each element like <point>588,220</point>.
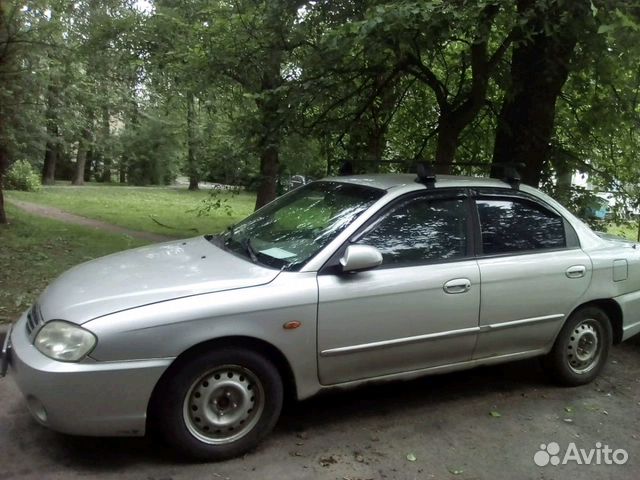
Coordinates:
<point>510,173</point>
<point>426,175</point>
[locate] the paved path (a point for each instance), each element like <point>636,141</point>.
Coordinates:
<point>57,214</point>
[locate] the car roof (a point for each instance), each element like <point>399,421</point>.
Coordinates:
<point>387,181</point>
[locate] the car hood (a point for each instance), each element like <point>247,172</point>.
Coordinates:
<point>148,275</point>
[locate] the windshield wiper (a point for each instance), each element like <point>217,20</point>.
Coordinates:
<point>246,244</point>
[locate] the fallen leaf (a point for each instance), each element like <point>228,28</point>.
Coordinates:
<point>326,461</point>
<point>411,457</point>
<point>455,471</point>
<point>495,414</point>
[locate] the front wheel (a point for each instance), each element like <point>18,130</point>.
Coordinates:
<point>218,405</point>
<point>581,349</point>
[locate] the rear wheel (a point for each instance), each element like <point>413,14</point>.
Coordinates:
<point>218,405</point>
<point>582,347</point>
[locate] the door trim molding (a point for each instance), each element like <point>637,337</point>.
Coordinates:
<point>398,341</point>
<point>363,347</point>
<point>519,323</point>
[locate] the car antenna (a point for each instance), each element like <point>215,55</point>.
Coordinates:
<point>510,173</point>
<point>426,176</point>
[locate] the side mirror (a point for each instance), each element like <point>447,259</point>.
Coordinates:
<point>358,258</point>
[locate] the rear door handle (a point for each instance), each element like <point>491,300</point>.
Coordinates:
<point>576,271</point>
<point>457,285</point>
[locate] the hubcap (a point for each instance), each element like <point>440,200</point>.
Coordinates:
<point>583,349</point>
<point>223,405</point>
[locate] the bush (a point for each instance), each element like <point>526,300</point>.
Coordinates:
<point>22,176</point>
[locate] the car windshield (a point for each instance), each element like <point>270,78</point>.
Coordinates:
<point>292,229</point>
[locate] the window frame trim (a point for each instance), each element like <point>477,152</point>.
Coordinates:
<point>572,240</point>
<point>449,193</point>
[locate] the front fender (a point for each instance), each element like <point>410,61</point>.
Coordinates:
<point>167,329</point>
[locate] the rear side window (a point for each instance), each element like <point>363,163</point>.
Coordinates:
<point>518,225</point>
<point>420,230</point>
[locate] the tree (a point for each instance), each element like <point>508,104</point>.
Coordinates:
<point>250,43</point>
<point>6,61</point>
<point>540,66</point>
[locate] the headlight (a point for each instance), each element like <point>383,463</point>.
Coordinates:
<point>64,341</point>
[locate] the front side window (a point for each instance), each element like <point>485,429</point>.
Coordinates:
<point>292,229</point>
<point>420,230</point>
<point>518,225</point>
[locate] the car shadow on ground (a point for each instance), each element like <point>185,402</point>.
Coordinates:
<point>331,409</point>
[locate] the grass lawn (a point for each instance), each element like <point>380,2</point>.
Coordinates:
<point>627,230</point>
<point>36,250</point>
<point>134,207</point>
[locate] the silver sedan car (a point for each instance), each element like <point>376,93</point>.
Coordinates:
<point>342,281</point>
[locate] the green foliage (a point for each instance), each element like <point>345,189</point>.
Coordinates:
<point>203,88</point>
<point>217,202</point>
<point>21,176</point>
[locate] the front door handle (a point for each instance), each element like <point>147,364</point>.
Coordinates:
<point>576,271</point>
<point>457,285</point>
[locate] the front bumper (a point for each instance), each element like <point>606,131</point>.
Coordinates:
<point>85,398</point>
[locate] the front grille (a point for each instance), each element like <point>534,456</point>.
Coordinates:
<point>34,319</point>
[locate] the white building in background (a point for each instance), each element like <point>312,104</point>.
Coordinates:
<point>581,180</point>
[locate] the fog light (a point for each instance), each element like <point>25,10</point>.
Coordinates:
<point>37,409</point>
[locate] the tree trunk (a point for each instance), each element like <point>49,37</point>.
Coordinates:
<point>446,146</point>
<point>375,148</point>
<point>192,165</point>
<point>539,69</point>
<point>367,141</point>
<point>81,158</point>
<point>50,159</point>
<point>51,147</point>
<point>270,131</point>
<point>51,119</point>
<point>3,213</point>
<point>4,162</point>
<point>268,188</point>
<point>4,157</point>
<point>106,153</point>
<point>89,164</point>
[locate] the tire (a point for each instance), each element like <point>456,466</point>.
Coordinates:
<point>581,348</point>
<point>217,405</point>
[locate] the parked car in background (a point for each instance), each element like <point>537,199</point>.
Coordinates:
<point>339,282</point>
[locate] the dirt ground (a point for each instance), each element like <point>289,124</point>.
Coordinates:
<point>481,424</point>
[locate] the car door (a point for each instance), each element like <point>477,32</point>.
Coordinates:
<point>533,272</point>
<point>419,309</point>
